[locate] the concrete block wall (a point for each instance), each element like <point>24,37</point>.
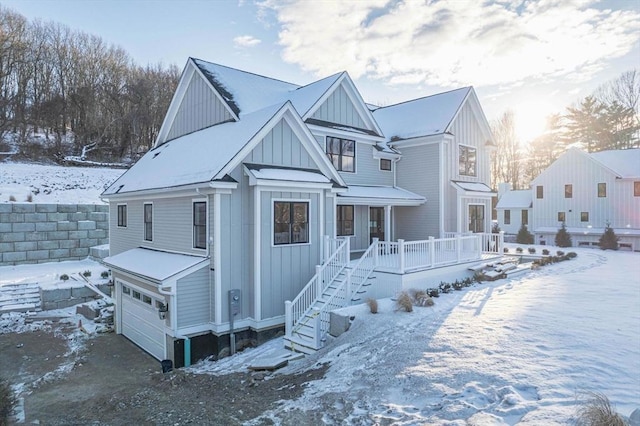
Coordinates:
<point>38,233</point>
<point>61,298</point>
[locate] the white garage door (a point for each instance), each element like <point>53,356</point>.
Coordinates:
<point>140,321</point>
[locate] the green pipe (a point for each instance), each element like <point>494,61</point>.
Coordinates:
<point>187,352</point>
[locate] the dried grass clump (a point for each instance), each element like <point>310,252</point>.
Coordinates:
<point>597,410</point>
<point>404,302</point>
<point>12,198</point>
<point>373,305</point>
<point>421,297</point>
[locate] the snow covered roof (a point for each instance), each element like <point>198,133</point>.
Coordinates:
<point>153,264</point>
<point>625,162</point>
<point>472,186</point>
<point>520,199</point>
<point>194,158</point>
<point>384,194</point>
<point>426,116</point>
<point>290,174</point>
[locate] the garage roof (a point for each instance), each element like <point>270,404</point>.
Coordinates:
<point>154,265</point>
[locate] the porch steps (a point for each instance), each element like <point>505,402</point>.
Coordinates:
<point>20,298</point>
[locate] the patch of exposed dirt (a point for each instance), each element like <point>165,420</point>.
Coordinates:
<point>107,380</point>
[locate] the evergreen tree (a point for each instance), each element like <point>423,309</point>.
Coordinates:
<point>563,239</point>
<point>524,236</point>
<point>609,240</point>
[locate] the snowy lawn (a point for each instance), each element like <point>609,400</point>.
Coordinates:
<point>521,351</point>
<point>54,184</point>
<point>47,275</point>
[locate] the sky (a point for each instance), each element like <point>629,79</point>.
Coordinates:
<point>532,57</point>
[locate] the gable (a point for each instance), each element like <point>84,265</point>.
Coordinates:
<point>199,108</point>
<point>282,147</point>
<point>472,116</point>
<point>339,108</point>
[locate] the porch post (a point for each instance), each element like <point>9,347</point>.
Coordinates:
<point>376,251</point>
<point>325,248</point>
<point>288,325</point>
<point>458,247</point>
<point>501,242</point>
<point>387,223</point>
<point>432,251</point>
<point>319,289</point>
<point>401,253</point>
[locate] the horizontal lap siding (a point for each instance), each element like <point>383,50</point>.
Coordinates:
<point>199,108</point>
<point>193,295</point>
<point>338,108</point>
<point>419,172</point>
<point>123,239</point>
<point>367,169</point>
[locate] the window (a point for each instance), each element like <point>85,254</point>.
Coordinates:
<point>342,153</point>
<point>291,222</point>
<point>561,217</point>
<point>200,225</point>
<point>602,190</point>
<point>467,160</point>
<point>584,217</point>
<point>385,164</point>
<point>539,192</point>
<point>146,299</point>
<point>345,220</point>
<point>136,294</point>
<point>507,217</point>
<point>525,217</point>
<point>122,215</point>
<point>636,189</point>
<point>126,290</point>
<point>148,222</point>
<point>568,191</point>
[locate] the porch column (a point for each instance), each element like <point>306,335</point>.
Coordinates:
<point>387,223</point>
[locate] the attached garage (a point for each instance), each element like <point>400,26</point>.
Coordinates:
<point>141,322</point>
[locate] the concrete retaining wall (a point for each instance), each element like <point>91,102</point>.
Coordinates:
<point>38,233</point>
<point>61,298</point>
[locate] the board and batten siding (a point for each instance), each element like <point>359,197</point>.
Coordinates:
<point>172,226</point>
<point>192,298</point>
<point>360,239</point>
<point>338,108</point>
<point>467,131</point>
<point>281,147</point>
<point>419,172</point>
<point>200,108</point>
<point>286,269</point>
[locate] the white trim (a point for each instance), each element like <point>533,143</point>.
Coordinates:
<point>365,138</point>
<point>213,89</point>
<point>174,192</point>
<point>420,140</point>
<point>257,249</point>
<point>217,256</point>
<point>204,200</point>
<point>380,165</point>
<point>355,153</point>
<point>353,206</point>
<point>457,162</point>
<point>126,215</point>
<point>174,105</point>
<point>378,202</point>
<point>144,225</point>
<point>291,200</point>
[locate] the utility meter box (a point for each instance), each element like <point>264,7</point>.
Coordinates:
<point>235,300</point>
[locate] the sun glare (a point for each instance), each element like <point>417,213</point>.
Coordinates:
<point>530,119</point>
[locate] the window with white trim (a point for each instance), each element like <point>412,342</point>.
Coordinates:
<point>290,222</point>
<point>148,222</point>
<point>344,220</point>
<point>525,217</point>
<point>467,160</point>
<point>602,190</point>
<point>507,217</point>
<point>342,153</point>
<point>385,164</point>
<point>200,225</point>
<point>122,215</point>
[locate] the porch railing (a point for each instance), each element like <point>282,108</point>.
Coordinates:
<point>491,243</point>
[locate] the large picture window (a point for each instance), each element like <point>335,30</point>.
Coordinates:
<point>467,160</point>
<point>148,222</point>
<point>342,153</point>
<point>200,225</point>
<point>345,220</point>
<point>291,222</point>
<point>122,215</point>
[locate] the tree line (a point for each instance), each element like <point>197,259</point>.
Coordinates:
<point>65,92</point>
<point>607,119</point>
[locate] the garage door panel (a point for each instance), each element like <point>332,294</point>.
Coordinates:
<point>142,326</point>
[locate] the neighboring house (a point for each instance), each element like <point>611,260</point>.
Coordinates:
<point>224,219</point>
<point>587,191</point>
<point>513,208</point>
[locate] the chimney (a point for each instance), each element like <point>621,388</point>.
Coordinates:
<point>502,188</point>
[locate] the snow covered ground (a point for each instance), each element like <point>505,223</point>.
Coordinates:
<point>47,275</point>
<point>517,351</point>
<point>54,184</point>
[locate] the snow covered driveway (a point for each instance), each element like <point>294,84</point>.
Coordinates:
<point>514,351</point>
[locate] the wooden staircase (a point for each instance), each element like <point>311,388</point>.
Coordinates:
<point>20,298</point>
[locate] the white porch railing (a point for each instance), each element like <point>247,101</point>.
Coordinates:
<point>491,243</point>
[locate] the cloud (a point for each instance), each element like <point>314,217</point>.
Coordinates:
<point>453,43</point>
<point>246,41</point>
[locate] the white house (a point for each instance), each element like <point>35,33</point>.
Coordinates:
<point>587,191</point>
<point>257,191</point>
<point>513,208</point>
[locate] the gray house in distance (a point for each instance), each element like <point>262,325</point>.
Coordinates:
<point>254,182</point>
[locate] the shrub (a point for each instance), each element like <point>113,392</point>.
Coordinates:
<point>7,401</point>
<point>506,249</point>
<point>12,198</point>
<point>524,236</point>
<point>532,250</point>
<point>609,240</point>
<point>563,239</point>
<point>545,252</point>
<point>433,292</point>
<point>104,274</point>
<point>86,273</point>
<point>519,249</point>
<point>404,302</point>
<point>457,285</point>
<point>597,411</point>
<point>445,287</point>
<point>30,198</point>
<point>64,277</point>
<point>495,228</point>
<point>572,254</point>
<point>373,305</point>
<point>560,253</point>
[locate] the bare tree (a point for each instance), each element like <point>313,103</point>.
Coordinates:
<point>506,160</point>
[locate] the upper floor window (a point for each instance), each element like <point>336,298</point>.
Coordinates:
<point>561,217</point>
<point>122,215</point>
<point>342,153</point>
<point>344,220</point>
<point>148,222</point>
<point>636,189</point>
<point>385,164</point>
<point>290,222</point>
<point>200,225</point>
<point>467,160</point>
<point>539,191</point>
<point>568,191</point>
<point>584,216</point>
<point>525,217</point>
<point>507,217</point>
<point>602,190</point>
